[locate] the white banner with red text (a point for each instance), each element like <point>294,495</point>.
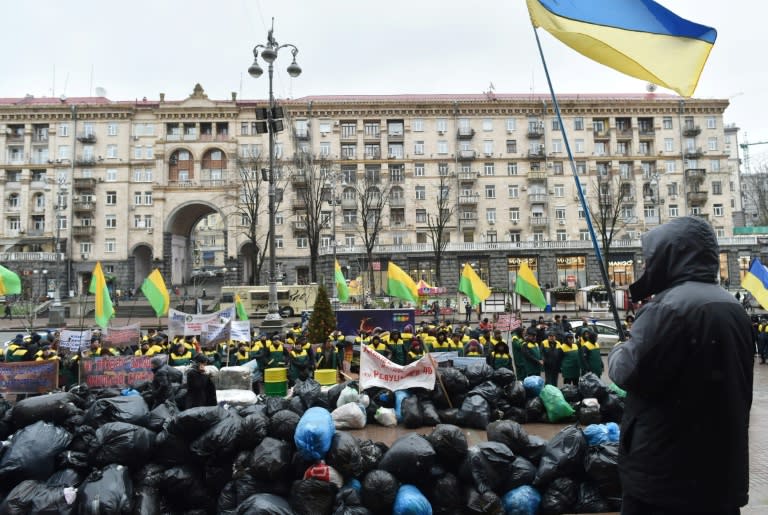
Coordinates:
<point>376,370</point>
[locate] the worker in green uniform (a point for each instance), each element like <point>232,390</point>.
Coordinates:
<point>570,360</point>
<point>534,362</point>
<point>592,360</point>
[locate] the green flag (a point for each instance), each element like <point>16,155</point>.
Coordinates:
<point>400,284</point>
<point>240,308</point>
<point>342,291</point>
<point>103,304</point>
<point>10,283</point>
<point>472,286</point>
<point>156,293</point>
<point>527,286</point>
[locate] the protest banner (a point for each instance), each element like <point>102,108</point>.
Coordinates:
<point>241,330</point>
<point>116,371</point>
<point>29,376</point>
<point>215,333</point>
<point>376,370</point>
<point>187,324</point>
<point>507,322</point>
<point>75,341</point>
<point>121,337</point>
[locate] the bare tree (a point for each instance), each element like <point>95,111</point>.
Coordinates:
<point>754,187</point>
<point>606,208</point>
<point>438,221</point>
<point>372,196</point>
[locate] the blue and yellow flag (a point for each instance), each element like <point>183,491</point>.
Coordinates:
<point>637,37</point>
<point>756,282</point>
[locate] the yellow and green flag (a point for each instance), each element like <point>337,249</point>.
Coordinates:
<point>472,286</point>
<point>103,303</point>
<point>10,283</point>
<point>155,291</point>
<point>342,292</point>
<point>527,286</point>
<point>400,284</point>
<point>240,308</point>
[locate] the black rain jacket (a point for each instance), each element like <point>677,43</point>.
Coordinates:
<point>688,370</point>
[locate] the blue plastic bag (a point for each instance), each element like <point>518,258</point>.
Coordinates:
<point>314,433</point>
<point>410,501</point>
<point>128,392</point>
<point>596,434</point>
<point>533,386</point>
<point>523,500</point>
<point>613,432</point>
<point>400,395</point>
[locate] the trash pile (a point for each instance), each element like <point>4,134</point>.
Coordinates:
<point>105,451</point>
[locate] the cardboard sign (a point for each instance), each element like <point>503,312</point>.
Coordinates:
<point>75,341</point>
<point>121,337</point>
<point>376,370</point>
<point>507,322</point>
<point>29,376</point>
<point>187,324</point>
<point>116,371</point>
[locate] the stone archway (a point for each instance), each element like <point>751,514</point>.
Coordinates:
<point>177,243</point>
<point>142,263</point>
<point>248,256</point>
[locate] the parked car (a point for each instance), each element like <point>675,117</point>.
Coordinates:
<point>607,335</point>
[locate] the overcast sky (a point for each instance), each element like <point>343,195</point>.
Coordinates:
<point>140,48</point>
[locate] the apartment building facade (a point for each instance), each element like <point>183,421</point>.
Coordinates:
<point>128,183</point>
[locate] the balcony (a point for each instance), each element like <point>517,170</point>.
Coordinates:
<point>468,176</point>
<point>85,161</point>
<point>301,134</point>
<point>537,176</point>
<point>395,136</point>
<point>536,154</point>
<point>647,131</point>
<point>396,201</point>
<point>466,155</point>
<point>695,174</point>
<point>299,226</point>
<point>83,231</point>
<point>86,137</point>
<point>372,155</point>
<point>469,199</point>
<point>690,130</point>
<point>348,226</point>
<point>465,133</point>
<point>15,136</point>
<point>298,178</point>
<point>40,139</point>
<point>348,203</point>
<point>84,183</point>
<point>601,133</point>
<point>371,135</point>
<point>537,198</point>
<point>624,133</point>
<point>83,206</point>
<point>538,221</point>
<point>694,153</point>
<point>468,223</point>
<point>697,197</point>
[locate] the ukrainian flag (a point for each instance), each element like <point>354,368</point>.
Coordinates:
<point>756,282</point>
<point>637,37</point>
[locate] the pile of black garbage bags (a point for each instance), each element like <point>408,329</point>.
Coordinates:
<point>105,451</point>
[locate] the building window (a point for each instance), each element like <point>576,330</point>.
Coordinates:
<point>325,148</point>
<point>511,146</point>
<point>111,129</point>
<point>490,215</point>
<point>578,123</point>
<point>279,242</point>
<point>111,198</point>
<point>110,245</point>
<point>717,209</point>
<point>513,191</point>
<point>511,124</point>
<point>487,124</point>
<point>421,193</point>
<point>538,236</point>
<point>490,191</point>
<point>666,122</point>
<point>557,145</point>
<point>418,169</point>
<point>559,190</point>
<point>442,146</point>
<point>555,124</point>
<point>110,222</point>
<point>670,166</point>
<point>714,165</point>
<point>110,175</point>
<point>711,122</point>
<point>669,145</point>
<point>488,169</point>
<point>349,240</point>
<point>441,124</point>
<point>672,212</point>
<point>442,169</point>
<point>511,169</point>
<point>717,188</point>
<point>514,214</point>
<point>421,216</point>
<point>584,235</point>
<point>578,146</point>
<point>417,125</point>
<point>488,147</point>
<point>712,143</point>
<point>561,235</point>
<point>138,222</point>
<point>302,242</point>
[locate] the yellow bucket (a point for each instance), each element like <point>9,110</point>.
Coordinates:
<point>325,376</point>
<point>275,375</point>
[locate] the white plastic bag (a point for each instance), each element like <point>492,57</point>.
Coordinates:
<point>349,416</point>
<point>348,394</point>
<point>386,417</point>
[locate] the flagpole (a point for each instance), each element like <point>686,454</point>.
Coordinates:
<point>580,191</point>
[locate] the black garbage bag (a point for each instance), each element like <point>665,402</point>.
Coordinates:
<point>217,474</point>
<point>478,373</point>
<point>265,504</point>
<point>187,479</point>
<point>54,407</point>
<point>106,491</point>
<point>161,414</point>
<point>171,449</point>
<point>474,412</point>
<point>508,432</point>
<point>240,488</point>
<point>119,442</point>
<point>454,381</point>
<point>612,408</point>
<point>535,449</point>
<point>275,404</point>
<point>36,497</point>
<point>559,497</point>
<point>349,502</point>
<point>65,477</point>
<point>411,411</point>
<point>590,385</point>
<point>515,394</point>
<point>297,406</point>
<point>503,376</point>
<point>535,410</point>
<point>445,495</point>
<point>254,430</point>
<point>83,438</point>
<point>588,413</point>
<point>429,415</point>
<point>32,454</point>
<point>313,497</point>
<point>487,503</point>
<point>191,423</point>
<point>488,464</point>
<point>602,467</point>
<point>570,393</point>
<point>146,501</point>
<point>371,453</point>
<point>590,500</point>
<point>131,409</point>
<point>271,459</point>
<point>310,393</point>
<point>489,391</point>
<point>283,424</point>
<point>379,490</point>
<point>563,456</point>
<point>409,459</point>
<point>74,459</point>
<point>449,416</point>
<point>345,455</point>
<point>222,440</point>
<point>450,445</point>
<point>522,472</point>
<point>516,414</point>
<point>150,474</point>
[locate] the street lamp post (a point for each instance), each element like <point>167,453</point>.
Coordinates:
<point>56,311</point>
<point>269,53</point>
<point>334,200</point>
<point>656,190</point>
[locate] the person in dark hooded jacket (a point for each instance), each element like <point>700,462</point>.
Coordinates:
<point>690,353</point>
